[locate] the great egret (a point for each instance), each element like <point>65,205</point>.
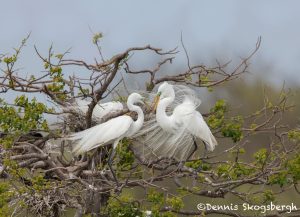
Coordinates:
<point>100,110</point>
<point>111,131</point>
<point>185,116</point>
<point>80,107</point>
<point>177,125</point>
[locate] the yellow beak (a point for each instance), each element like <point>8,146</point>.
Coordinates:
<point>155,103</point>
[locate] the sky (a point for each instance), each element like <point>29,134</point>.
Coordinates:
<point>212,29</point>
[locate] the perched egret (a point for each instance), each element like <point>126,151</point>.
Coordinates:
<point>100,110</point>
<point>177,125</point>
<point>111,131</point>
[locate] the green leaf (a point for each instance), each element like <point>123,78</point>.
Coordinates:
<point>97,37</point>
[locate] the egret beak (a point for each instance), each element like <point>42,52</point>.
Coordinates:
<point>155,103</point>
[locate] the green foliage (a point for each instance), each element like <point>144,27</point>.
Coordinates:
<point>16,120</point>
<point>290,173</point>
<point>11,59</point>
<point>268,196</point>
<point>55,87</point>
<point>234,171</point>
<point>294,135</point>
<point>27,116</point>
<point>157,201</point>
<point>58,84</point>
<point>7,141</point>
<point>155,197</point>
<point>56,71</point>
<point>253,126</point>
<point>13,167</point>
<point>175,202</point>
<point>238,151</point>
<point>5,195</point>
<point>126,206</point>
<point>294,168</point>
<point>261,156</point>
<point>280,178</point>
<point>264,197</point>
<point>123,206</point>
<point>223,170</point>
<point>203,79</point>
<point>233,129</point>
<point>125,156</point>
<point>59,56</point>
<point>196,164</point>
<point>46,65</point>
<point>241,170</point>
<point>39,183</point>
<point>216,119</point>
<point>97,37</point>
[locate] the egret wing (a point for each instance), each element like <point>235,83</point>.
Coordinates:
<point>184,112</point>
<point>198,127</point>
<point>101,134</point>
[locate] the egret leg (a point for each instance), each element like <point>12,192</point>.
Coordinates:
<point>205,146</point>
<point>110,159</point>
<point>195,149</point>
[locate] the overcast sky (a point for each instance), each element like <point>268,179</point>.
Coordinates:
<point>211,29</point>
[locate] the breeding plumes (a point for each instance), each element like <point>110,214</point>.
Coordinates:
<point>177,126</point>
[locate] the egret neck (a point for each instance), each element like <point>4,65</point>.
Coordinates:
<point>140,119</point>
<point>166,121</point>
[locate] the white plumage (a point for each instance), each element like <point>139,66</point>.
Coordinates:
<point>198,128</point>
<point>173,131</point>
<point>101,134</point>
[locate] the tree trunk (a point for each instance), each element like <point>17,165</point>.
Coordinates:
<point>95,203</point>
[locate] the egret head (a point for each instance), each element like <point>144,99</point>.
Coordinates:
<point>135,98</point>
<point>165,90</point>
